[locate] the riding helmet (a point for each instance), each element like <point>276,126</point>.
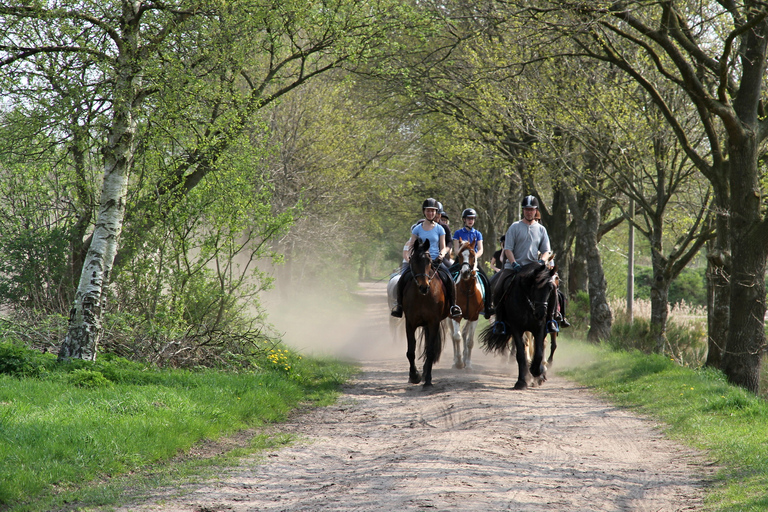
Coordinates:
<point>430,203</point>
<point>469,212</point>
<point>530,202</point>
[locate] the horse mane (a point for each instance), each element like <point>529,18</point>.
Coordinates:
<point>535,272</point>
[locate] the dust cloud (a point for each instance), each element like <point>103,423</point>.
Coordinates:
<point>319,323</point>
<point>357,328</point>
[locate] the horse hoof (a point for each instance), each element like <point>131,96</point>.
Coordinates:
<point>521,384</point>
<point>427,385</point>
<point>414,378</point>
<point>458,366</point>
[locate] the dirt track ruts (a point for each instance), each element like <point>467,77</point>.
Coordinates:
<point>469,444</point>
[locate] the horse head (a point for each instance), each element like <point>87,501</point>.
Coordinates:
<point>544,284</point>
<point>467,261</point>
<point>421,265</point>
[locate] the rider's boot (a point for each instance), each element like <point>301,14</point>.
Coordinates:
<point>450,288</point>
<point>397,310</point>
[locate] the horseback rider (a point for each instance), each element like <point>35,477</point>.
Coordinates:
<point>527,241</point>
<point>468,233</point>
<point>428,229</point>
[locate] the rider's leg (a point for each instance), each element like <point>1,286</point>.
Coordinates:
<point>561,309</point>
<point>489,311</point>
<point>397,310</point>
<point>450,290</point>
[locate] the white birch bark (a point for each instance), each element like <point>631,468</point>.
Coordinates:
<point>85,317</point>
<point>84,331</point>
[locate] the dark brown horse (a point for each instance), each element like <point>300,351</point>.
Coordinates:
<point>469,297</point>
<point>425,306</point>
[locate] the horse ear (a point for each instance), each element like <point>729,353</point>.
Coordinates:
<point>426,244</point>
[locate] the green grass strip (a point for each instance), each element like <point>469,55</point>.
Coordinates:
<point>699,408</point>
<point>67,429</point>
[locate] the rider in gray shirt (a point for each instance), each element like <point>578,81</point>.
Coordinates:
<point>526,240</point>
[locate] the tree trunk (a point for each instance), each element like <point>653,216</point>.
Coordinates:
<point>746,334</point>
<point>718,296</point>
<point>84,330</point>
<point>600,314</point>
<point>659,308</point>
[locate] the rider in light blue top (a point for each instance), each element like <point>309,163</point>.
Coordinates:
<point>430,230</point>
<point>433,235</point>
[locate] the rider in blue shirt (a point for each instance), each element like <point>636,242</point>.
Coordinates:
<point>468,233</point>
<point>429,229</point>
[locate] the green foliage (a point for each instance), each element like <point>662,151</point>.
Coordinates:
<point>88,379</point>
<point>578,310</point>
<point>687,344</point>
<point>690,286</point>
<point>18,361</point>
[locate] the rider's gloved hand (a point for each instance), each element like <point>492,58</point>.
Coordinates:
<point>437,261</point>
<point>516,267</point>
<point>541,262</point>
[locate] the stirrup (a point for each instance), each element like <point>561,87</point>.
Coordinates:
<point>552,326</point>
<point>500,328</point>
<point>455,311</point>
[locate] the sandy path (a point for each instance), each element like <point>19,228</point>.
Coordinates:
<point>470,444</point>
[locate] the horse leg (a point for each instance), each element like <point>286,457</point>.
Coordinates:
<point>469,341</point>
<point>528,342</point>
<point>552,347</point>
<point>522,363</point>
<point>458,362</point>
<point>538,368</point>
<point>431,341</point>
<point>413,374</point>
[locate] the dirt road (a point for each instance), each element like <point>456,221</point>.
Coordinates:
<point>469,444</point>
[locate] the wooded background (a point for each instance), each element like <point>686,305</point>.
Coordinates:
<point>161,163</point>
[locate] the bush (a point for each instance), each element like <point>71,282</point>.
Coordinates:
<point>686,339</point>
<point>19,361</point>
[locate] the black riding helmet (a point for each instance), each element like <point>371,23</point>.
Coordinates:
<point>530,202</point>
<point>430,203</point>
<point>469,212</point>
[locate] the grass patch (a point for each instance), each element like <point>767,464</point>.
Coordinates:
<point>699,408</point>
<point>71,432</point>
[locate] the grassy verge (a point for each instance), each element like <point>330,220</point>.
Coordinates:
<point>79,435</point>
<point>699,408</point>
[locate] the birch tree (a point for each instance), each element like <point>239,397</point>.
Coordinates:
<point>246,54</point>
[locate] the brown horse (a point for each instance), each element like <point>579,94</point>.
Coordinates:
<point>469,297</point>
<point>425,306</point>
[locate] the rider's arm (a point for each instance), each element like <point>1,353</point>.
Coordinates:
<point>407,248</point>
<point>444,249</point>
<point>509,256</point>
<point>479,248</point>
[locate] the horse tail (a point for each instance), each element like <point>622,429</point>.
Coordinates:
<point>494,338</point>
